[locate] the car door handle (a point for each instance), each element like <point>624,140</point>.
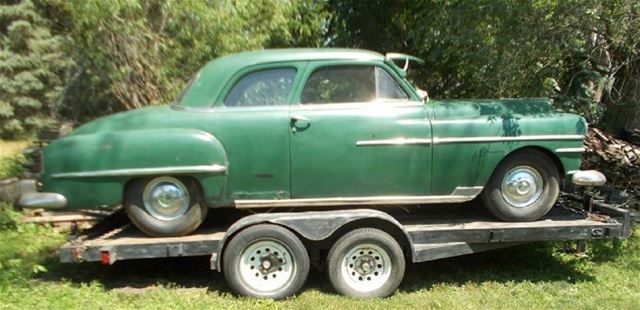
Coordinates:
<point>300,122</point>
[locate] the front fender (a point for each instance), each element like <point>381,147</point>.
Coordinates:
<point>92,169</point>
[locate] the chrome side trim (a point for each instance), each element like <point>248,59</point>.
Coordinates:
<point>437,140</point>
<point>460,194</point>
<point>396,141</point>
<point>215,169</point>
<point>571,150</point>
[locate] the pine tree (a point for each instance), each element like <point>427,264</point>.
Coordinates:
<point>32,70</point>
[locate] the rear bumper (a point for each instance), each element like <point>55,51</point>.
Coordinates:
<point>31,198</point>
<point>587,178</point>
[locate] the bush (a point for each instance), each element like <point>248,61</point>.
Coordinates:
<point>11,166</point>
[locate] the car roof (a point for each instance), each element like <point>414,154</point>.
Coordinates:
<point>212,78</point>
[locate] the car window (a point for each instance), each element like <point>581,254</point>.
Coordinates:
<point>352,83</point>
<point>388,88</point>
<point>262,88</point>
<point>340,84</point>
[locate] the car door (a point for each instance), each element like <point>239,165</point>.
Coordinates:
<point>252,123</point>
<point>357,132</point>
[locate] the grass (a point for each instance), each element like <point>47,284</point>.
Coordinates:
<point>530,276</point>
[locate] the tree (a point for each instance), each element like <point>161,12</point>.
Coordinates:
<point>133,53</point>
<point>32,69</point>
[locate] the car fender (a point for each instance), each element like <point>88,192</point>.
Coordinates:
<point>77,163</point>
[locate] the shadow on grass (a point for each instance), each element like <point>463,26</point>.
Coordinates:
<point>531,263</point>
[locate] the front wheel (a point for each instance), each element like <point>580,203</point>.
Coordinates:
<point>366,263</point>
<point>524,187</point>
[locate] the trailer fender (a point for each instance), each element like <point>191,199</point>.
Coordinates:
<point>313,225</point>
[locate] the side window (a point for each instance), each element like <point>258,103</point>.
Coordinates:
<point>388,88</point>
<point>262,88</point>
<point>340,84</point>
<point>352,83</point>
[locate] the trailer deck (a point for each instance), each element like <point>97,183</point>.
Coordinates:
<point>434,232</point>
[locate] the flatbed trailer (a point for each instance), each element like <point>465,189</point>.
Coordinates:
<point>423,234</point>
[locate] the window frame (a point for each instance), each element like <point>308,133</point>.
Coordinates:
<point>313,66</point>
<point>299,68</point>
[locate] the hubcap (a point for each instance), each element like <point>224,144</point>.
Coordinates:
<point>522,186</point>
<point>366,267</point>
<point>166,198</point>
<point>266,266</point>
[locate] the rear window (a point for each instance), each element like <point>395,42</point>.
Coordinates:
<point>262,88</point>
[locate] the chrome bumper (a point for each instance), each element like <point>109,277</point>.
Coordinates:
<point>31,198</point>
<point>588,178</point>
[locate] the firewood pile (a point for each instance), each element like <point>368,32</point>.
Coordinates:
<point>618,159</point>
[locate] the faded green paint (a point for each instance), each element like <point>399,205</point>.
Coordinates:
<point>267,159</point>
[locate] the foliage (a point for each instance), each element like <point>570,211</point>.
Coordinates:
<point>133,53</point>
<point>584,53</point>
<point>32,68</point>
<point>11,165</point>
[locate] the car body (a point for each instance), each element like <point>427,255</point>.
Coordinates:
<point>305,127</point>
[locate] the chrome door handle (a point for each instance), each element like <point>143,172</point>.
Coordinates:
<point>299,122</point>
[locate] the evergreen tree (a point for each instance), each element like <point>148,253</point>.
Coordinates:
<point>32,70</point>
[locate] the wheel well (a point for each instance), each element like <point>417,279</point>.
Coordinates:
<point>554,158</point>
<point>194,182</point>
<point>396,232</point>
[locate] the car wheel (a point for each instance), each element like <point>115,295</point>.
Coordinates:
<point>366,263</point>
<point>523,187</point>
<point>265,261</point>
<point>165,206</point>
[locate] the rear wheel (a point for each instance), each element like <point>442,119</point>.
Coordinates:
<point>165,206</point>
<point>366,263</point>
<point>524,187</point>
<point>265,261</point>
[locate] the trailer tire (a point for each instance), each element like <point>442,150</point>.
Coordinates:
<point>508,200</point>
<point>265,261</point>
<point>366,263</point>
<point>155,221</point>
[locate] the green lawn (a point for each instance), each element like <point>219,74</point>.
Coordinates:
<point>529,276</point>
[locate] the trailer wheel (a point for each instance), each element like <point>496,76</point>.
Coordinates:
<point>366,263</point>
<point>165,206</point>
<point>265,261</point>
<point>524,187</point>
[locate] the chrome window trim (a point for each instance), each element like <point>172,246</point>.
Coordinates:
<point>357,105</point>
<point>214,169</point>
<point>460,194</point>
<point>571,150</point>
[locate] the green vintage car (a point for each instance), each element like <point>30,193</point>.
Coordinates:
<point>312,127</point>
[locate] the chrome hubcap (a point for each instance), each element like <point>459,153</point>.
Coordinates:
<point>366,267</point>
<point>522,186</point>
<point>166,198</point>
<point>266,266</point>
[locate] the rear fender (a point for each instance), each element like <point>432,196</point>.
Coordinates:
<point>92,170</point>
